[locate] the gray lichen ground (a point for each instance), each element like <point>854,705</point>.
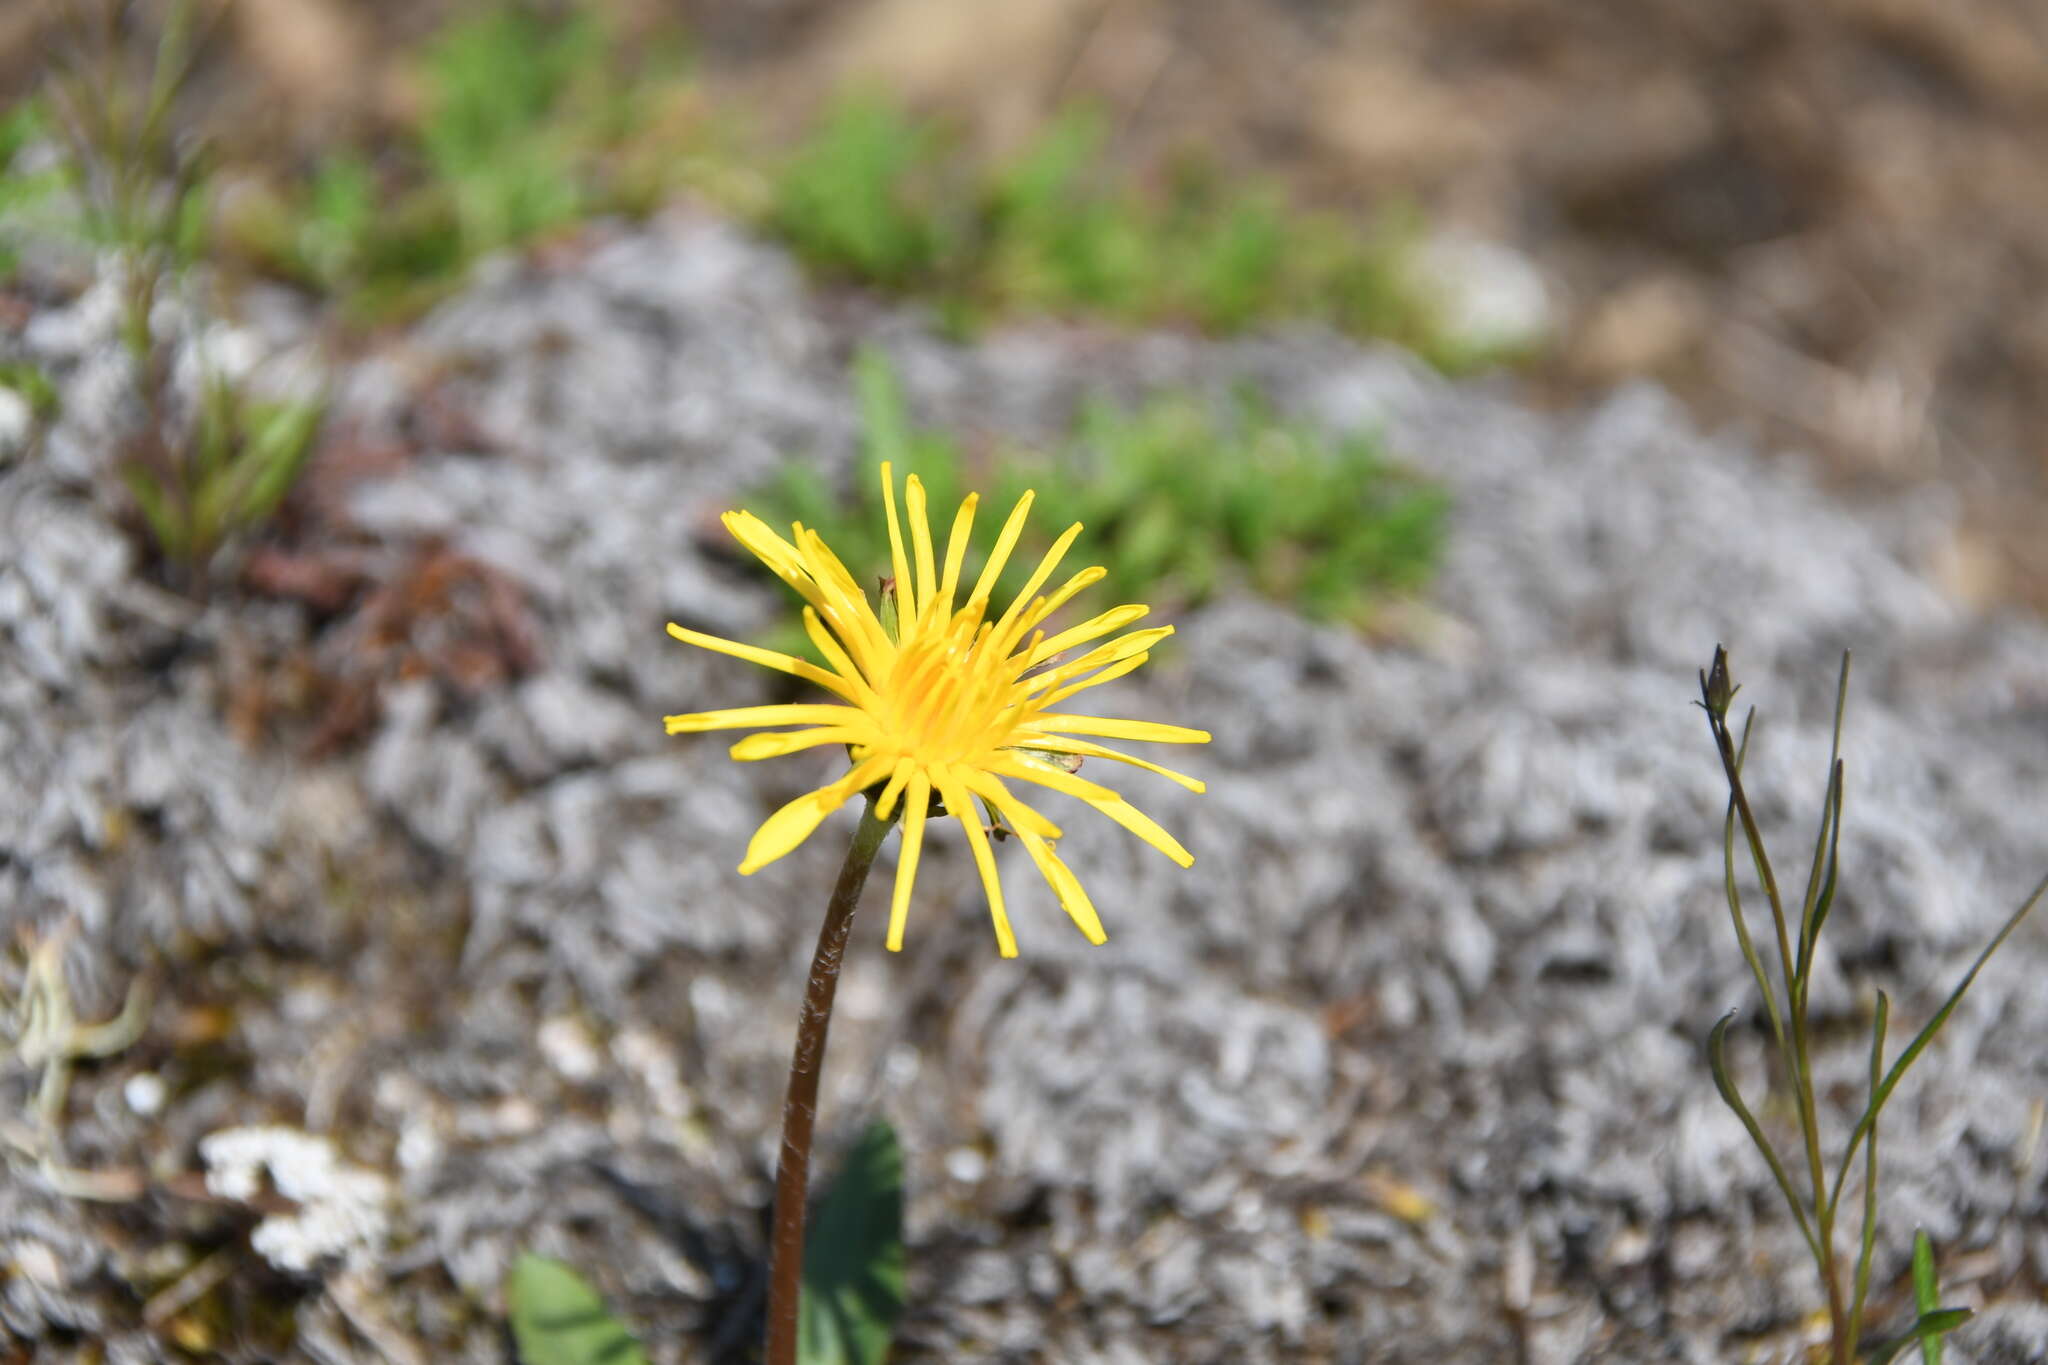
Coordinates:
<point>1408,1068</point>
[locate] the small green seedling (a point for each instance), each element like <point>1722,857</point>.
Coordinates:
<point>225,477</point>
<point>139,180</point>
<point>25,192</point>
<point>1785,1006</point>
<point>862,199</point>
<point>1180,497</point>
<point>33,386</point>
<point>877,197</point>
<point>528,126</point>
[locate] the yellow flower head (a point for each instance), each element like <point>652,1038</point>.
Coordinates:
<point>949,703</point>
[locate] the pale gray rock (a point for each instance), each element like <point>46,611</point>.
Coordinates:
<point>1428,1009</point>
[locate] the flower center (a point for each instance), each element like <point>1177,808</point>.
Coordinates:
<point>950,695</point>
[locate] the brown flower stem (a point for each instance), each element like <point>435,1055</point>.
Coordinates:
<point>800,1109</point>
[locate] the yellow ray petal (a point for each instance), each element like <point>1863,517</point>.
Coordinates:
<point>781,832</point>
<point>1067,887</point>
<point>735,717</point>
<point>814,583</point>
<point>885,805</point>
<point>1137,642</point>
<point>1116,618</point>
<point>760,540</point>
<point>1046,606</point>
<point>1052,559</point>
<point>835,654</point>
<point>1000,555</point>
<point>775,552</point>
<point>1101,798</point>
<point>843,603</point>
<point>906,595</point>
<point>920,541</point>
<point>1096,679</point>
<point>956,552</point>
<point>990,788</point>
<point>961,804</point>
<point>1061,744</point>
<point>917,799</point>
<point>776,743</point>
<point>1110,727</point>
<point>768,658</point>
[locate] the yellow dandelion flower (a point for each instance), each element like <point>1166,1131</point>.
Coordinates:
<point>949,704</point>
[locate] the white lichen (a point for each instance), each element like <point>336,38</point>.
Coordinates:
<point>344,1212</point>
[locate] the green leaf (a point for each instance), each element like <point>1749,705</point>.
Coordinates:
<point>1863,1257</point>
<point>1742,936</point>
<point>277,451</point>
<point>1926,1293</point>
<point>558,1319</point>
<point>33,386</point>
<point>1930,1326</point>
<point>1927,1034</point>
<point>882,413</point>
<point>155,505</point>
<point>1717,1061</point>
<point>853,1259</point>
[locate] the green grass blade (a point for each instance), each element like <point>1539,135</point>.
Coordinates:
<point>1826,899</point>
<point>158,513</point>
<point>276,454</point>
<point>1927,1033</point>
<point>170,68</point>
<point>1816,875</point>
<point>1749,953</point>
<point>1755,839</point>
<point>883,415</point>
<point>1830,813</point>
<point>1863,1256</point>
<point>1717,1061</point>
<point>1926,1293</point>
<point>1930,1326</point>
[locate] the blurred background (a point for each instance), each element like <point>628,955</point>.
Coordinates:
<point>1453,373</point>
<point>1820,221</point>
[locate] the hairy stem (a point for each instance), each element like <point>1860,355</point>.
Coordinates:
<point>800,1109</point>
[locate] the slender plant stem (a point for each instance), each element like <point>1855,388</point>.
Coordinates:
<point>1798,1062</point>
<point>800,1109</point>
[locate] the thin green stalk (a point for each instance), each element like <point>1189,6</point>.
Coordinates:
<point>1716,696</point>
<point>1742,937</point>
<point>1884,1009</point>
<point>1830,818</point>
<point>800,1109</point>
